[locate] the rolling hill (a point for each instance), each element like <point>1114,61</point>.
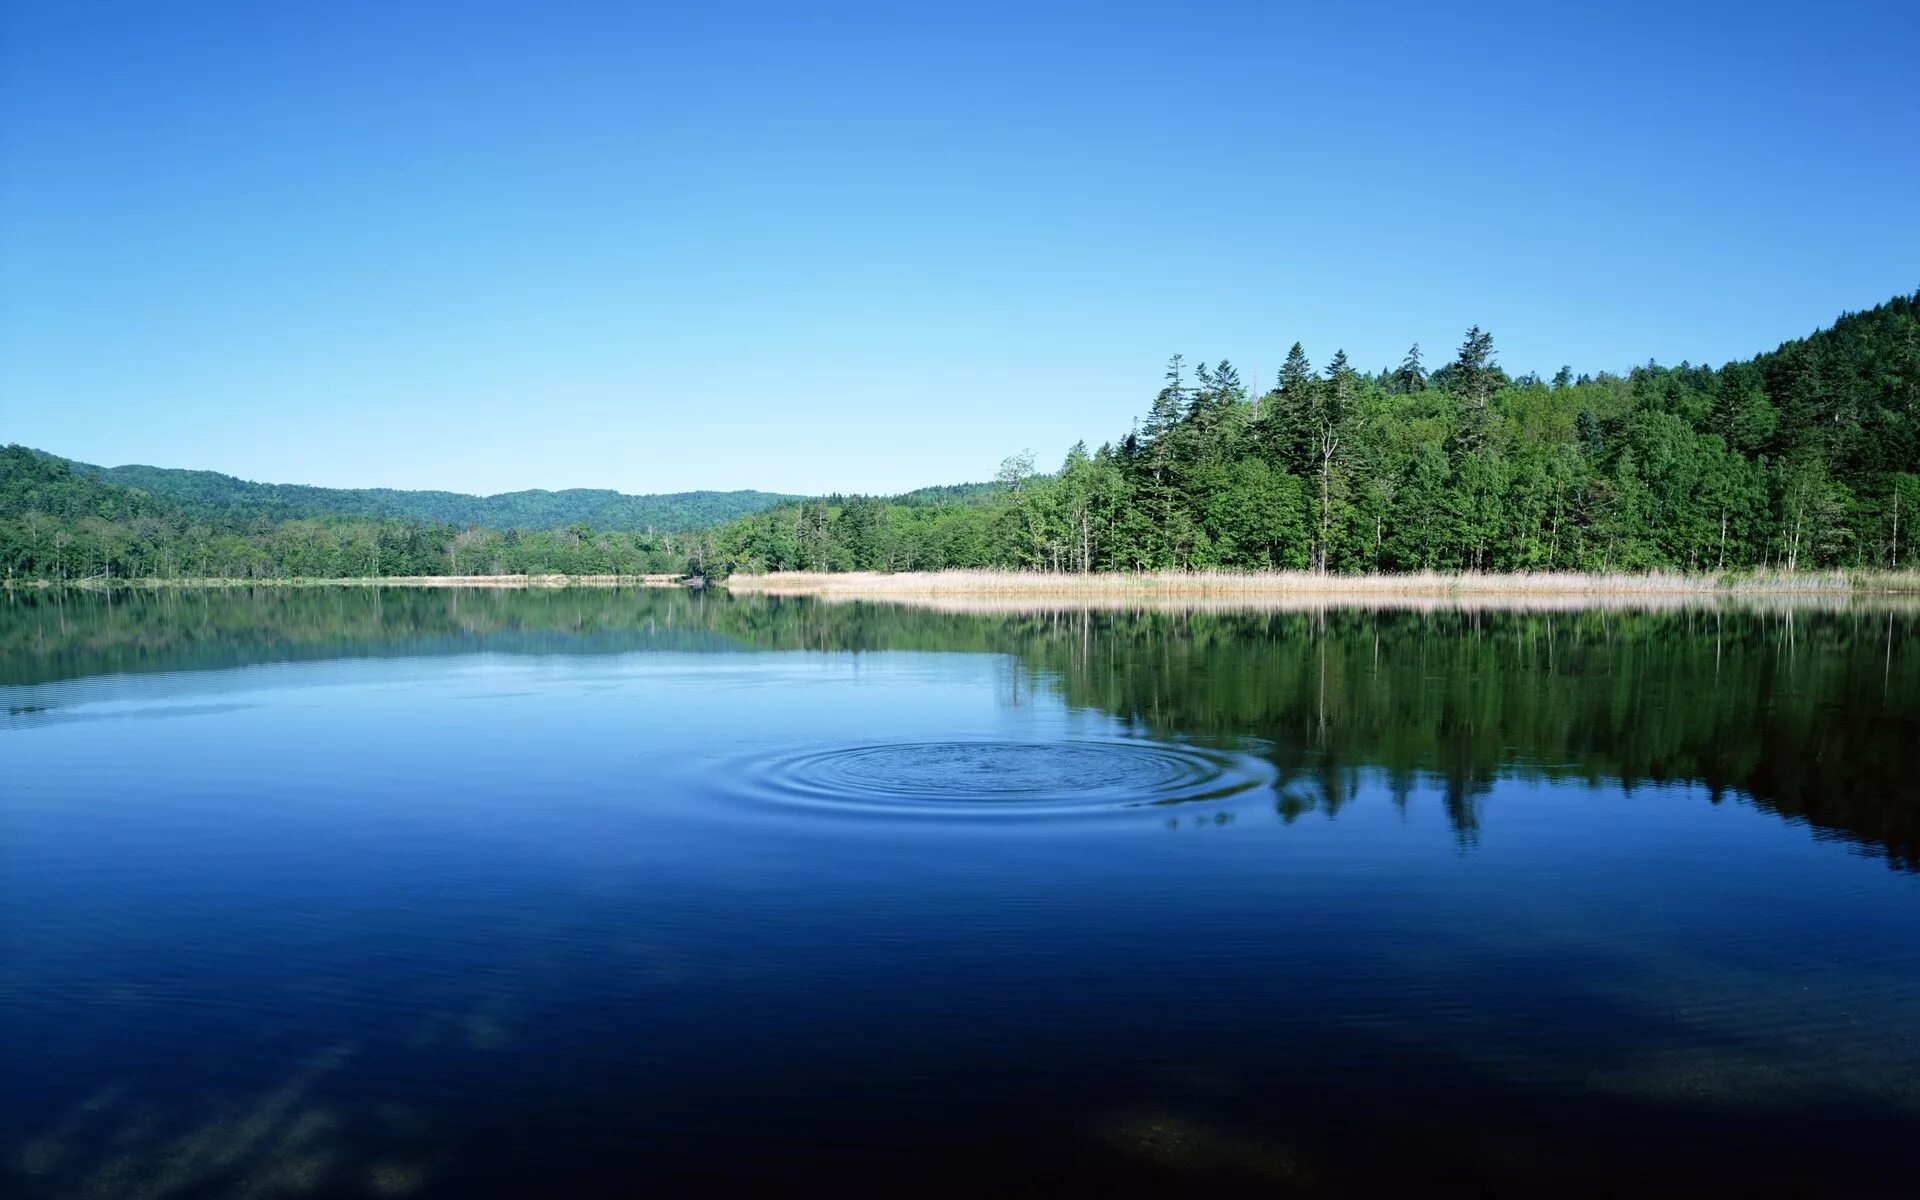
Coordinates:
<point>211,494</point>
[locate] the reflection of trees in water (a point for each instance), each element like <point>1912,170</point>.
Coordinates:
<point>1809,712</point>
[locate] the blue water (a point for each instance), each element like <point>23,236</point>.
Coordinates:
<point>539,909</point>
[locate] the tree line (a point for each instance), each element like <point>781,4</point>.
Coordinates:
<point>60,523</point>
<point>212,495</point>
<point>1806,457</point>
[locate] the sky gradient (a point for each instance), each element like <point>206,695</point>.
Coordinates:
<point>485,247</point>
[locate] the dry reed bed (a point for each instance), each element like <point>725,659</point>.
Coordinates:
<point>1525,602</point>
<point>1301,588</point>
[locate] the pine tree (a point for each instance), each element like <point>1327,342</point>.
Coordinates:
<point>1411,376</point>
<point>1289,418</point>
<point>1593,438</point>
<point>1472,378</point>
<point>1741,414</point>
<point>1163,418</point>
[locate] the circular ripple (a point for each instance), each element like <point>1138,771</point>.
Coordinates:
<point>978,777</point>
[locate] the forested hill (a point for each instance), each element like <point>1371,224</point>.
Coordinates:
<point>1806,456</point>
<point>65,520</point>
<point>60,520</point>
<point>211,494</point>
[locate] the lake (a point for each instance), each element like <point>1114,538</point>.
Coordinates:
<point>344,891</point>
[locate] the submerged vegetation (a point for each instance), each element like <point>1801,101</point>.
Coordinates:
<point>1803,459</point>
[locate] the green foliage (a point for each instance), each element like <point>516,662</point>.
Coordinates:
<point>1804,457</point>
<point>61,521</point>
<point>209,494</point>
<point>1790,461</point>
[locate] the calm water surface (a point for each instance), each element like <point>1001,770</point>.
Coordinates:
<point>350,892</point>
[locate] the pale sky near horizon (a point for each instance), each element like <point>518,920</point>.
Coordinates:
<point>867,248</point>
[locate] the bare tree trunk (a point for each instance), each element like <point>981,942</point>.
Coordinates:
<point>1793,550</point>
<point>1326,500</point>
<point>1896,522</point>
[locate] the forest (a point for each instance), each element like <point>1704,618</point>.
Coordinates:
<point>209,494</point>
<point>61,522</point>
<point>1805,457</point>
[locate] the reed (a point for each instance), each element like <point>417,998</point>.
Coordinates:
<point>1311,586</point>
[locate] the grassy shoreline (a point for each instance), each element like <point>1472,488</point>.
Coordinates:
<point>1224,588</point>
<point>1226,585</point>
<point>413,581</point>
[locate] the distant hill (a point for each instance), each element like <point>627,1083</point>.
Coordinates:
<point>32,481</point>
<point>61,519</point>
<point>213,495</point>
<point>949,493</point>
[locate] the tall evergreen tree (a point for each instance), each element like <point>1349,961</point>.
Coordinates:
<point>1472,379</point>
<point>1411,376</point>
<point>1289,416</point>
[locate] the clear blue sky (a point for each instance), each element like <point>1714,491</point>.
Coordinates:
<point>484,247</point>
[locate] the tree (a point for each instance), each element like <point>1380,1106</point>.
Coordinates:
<point>1592,436</point>
<point>856,534</point>
<point>1411,377</point>
<point>1288,418</point>
<point>1741,413</point>
<point>1421,527</point>
<point>1334,408</point>
<point>1472,378</point>
<point>812,535</point>
<point>1015,470</point>
<point>1255,517</point>
<point>1805,456</point>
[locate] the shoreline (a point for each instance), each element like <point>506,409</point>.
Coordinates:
<point>412,581</point>
<point>1304,585</point>
<point>1008,590</point>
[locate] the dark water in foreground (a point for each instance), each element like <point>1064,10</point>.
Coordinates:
<point>395,893</point>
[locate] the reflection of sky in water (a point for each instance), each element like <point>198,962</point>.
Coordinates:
<point>536,923</point>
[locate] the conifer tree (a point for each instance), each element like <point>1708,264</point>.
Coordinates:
<point>1411,376</point>
<point>1289,417</point>
<point>1472,378</point>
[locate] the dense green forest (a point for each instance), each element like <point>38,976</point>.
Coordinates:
<point>1802,457</point>
<point>211,495</point>
<point>1430,707</point>
<point>66,520</point>
<point>60,521</point>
